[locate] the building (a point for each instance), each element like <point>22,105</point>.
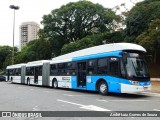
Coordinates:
<point>28,32</point>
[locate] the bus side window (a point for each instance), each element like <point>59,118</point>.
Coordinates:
<point>27,71</point>
<point>32,71</point>
<point>53,69</point>
<point>92,67</point>
<point>19,71</point>
<point>40,71</point>
<point>102,66</point>
<point>61,66</point>
<point>114,66</point>
<point>13,72</point>
<point>70,68</point>
<point>61,69</point>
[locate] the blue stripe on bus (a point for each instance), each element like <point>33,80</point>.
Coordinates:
<point>114,83</point>
<point>74,82</point>
<point>99,55</point>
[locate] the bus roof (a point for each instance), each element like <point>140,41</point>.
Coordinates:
<point>16,66</point>
<point>99,49</point>
<point>35,63</point>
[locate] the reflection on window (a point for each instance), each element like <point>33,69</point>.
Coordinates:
<point>102,66</point>
<point>136,67</point>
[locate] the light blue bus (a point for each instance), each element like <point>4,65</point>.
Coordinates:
<point>117,67</point>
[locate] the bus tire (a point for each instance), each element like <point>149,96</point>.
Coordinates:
<point>55,84</point>
<point>28,81</point>
<point>103,88</point>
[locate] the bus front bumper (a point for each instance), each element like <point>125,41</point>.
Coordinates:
<point>126,88</point>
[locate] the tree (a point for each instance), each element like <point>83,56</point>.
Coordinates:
<point>76,20</point>
<point>35,50</point>
<point>150,39</point>
<point>139,18</point>
<point>93,40</point>
<point>6,55</point>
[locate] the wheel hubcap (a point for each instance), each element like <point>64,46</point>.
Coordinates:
<point>103,87</point>
<point>55,84</point>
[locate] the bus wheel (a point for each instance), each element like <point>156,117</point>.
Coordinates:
<point>55,84</point>
<point>103,88</point>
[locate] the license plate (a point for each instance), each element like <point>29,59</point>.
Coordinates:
<point>145,88</point>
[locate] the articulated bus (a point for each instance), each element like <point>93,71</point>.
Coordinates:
<point>118,67</point>
<point>37,73</point>
<point>16,73</point>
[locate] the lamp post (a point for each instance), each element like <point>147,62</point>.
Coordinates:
<point>14,8</point>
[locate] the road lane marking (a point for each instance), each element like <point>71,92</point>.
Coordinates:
<point>156,110</point>
<point>122,100</point>
<point>95,108</point>
<point>67,95</point>
<point>150,93</point>
<point>70,95</point>
<point>70,102</point>
<point>102,100</point>
<point>88,107</point>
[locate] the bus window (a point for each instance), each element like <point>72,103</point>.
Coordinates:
<point>61,69</point>
<point>19,71</point>
<point>102,66</point>
<point>31,71</point>
<point>40,71</point>
<point>69,65</point>
<point>13,72</point>
<point>53,69</point>
<point>61,66</point>
<point>27,71</point>
<point>70,68</point>
<point>114,66</point>
<point>92,67</point>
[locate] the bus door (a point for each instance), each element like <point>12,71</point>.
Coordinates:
<point>114,71</point>
<point>36,75</point>
<point>81,74</point>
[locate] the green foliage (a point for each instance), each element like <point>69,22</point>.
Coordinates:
<point>6,55</point>
<point>93,40</point>
<point>150,39</point>
<point>34,50</point>
<point>75,21</point>
<point>139,18</point>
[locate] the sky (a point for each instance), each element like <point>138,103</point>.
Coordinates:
<point>33,10</point>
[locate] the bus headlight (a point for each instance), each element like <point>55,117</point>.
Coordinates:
<point>134,82</point>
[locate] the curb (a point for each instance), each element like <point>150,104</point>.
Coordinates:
<point>155,79</point>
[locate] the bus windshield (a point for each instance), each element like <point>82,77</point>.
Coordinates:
<point>136,66</point>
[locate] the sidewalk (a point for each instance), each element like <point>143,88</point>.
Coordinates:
<point>155,79</point>
<point>155,82</point>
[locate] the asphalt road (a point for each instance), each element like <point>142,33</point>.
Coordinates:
<point>16,97</point>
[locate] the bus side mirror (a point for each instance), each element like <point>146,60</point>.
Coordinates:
<point>124,56</point>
